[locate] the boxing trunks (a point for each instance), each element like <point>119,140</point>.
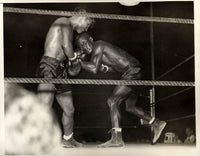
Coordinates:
<point>52,68</point>
<point>132,73</point>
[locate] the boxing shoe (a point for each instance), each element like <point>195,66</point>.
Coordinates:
<point>111,143</point>
<point>158,127</point>
<point>115,141</point>
<point>71,143</point>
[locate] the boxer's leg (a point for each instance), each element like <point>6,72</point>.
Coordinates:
<point>132,108</point>
<point>119,94</point>
<point>66,102</point>
<point>157,125</point>
<point>46,94</point>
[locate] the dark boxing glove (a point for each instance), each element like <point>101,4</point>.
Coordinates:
<point>74,67</point>
<point>81,55</point>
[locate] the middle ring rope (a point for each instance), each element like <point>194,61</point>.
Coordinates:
<point>98,82</point>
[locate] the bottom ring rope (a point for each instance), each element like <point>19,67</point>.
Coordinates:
<point>98,82</point>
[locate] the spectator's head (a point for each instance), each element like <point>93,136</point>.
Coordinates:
<point>188,131</point>
<point>30,127</point>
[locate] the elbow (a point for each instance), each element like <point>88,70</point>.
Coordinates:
<point>65,46</point>
<point>68,52</point>
<point>94,70</point>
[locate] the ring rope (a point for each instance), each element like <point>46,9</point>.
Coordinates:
<point>175,67</point>
<point>98,15</point>
<point>172,95</point>
<point>180,118</point>
<point>98,82</point>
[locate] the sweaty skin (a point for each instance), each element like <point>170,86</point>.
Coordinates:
<point>105,53</point>
<point>58,45</point>
<point>119,61</point>
<point>58,48</point>
<point>130,69</point>
<point>58,42</point>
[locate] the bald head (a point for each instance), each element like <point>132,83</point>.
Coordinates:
<point>83,36</point>
<point>84,41</point>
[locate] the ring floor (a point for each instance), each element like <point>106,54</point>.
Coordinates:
<point>131,149</point>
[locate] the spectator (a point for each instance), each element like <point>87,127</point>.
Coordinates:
<point>190,139</point>
<point>177,140</point>
<point>30,128</point>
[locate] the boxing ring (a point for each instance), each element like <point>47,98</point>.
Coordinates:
<point>153,83</point>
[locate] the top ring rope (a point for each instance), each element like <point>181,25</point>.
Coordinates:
<point>99,15</point>
<point>98,82</point>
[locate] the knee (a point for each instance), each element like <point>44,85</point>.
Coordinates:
<point>130,108</point>
<point>113,102</point>
<point>110,102</point>
<point>139,73</point>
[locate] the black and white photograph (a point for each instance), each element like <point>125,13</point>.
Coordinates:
<point>85,78</point>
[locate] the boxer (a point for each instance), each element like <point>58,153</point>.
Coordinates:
<point>110,56</point>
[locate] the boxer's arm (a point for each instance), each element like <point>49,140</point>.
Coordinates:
<point>74,66</point>
<point>94,64</point>
<point>81,55</point>
<point>67,41</point>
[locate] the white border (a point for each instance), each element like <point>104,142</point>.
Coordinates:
<point>55,1</point>
<point>197,68</point>
<point>77,1</point>
<point>1,85</point>
<point>152,150</point>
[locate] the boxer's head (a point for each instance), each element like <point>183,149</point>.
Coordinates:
<point>82,23</point>
<point>85,42</point>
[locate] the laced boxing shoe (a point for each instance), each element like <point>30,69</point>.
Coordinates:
<point>158,127</point>
<point>115,141</point>
<point>71,143</point>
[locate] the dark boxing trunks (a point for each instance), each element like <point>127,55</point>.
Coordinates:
<point>52,68</point>
<point>132,73</point>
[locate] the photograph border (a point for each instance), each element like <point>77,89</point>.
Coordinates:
<point>139,151</point>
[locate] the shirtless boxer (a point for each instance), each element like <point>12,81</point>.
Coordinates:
<point>57,50</point>
<point>109,57</point>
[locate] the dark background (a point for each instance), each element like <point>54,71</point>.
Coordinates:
<point>24,36</point>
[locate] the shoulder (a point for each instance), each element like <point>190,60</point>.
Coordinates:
<point>99,46</point>
<point>100,43</point>
<point>62,21</point>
